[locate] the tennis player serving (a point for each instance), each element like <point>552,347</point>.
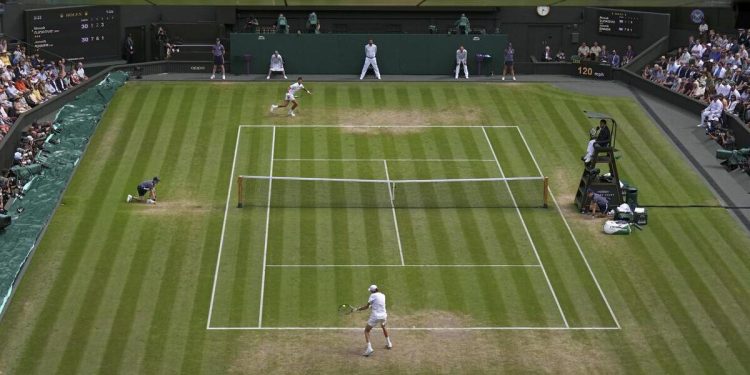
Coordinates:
<point>289,97</point>
<point>378,315</point>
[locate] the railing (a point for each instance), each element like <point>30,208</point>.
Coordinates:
<point>11,140</point>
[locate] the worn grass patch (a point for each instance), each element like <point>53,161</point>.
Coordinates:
<point>402,121</point>
<point>433,352</point>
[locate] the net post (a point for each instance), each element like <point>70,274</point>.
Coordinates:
<point>546,191</point>
<point>239,192</point>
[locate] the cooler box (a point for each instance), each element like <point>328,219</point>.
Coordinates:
<point>640,216</point>
<point>623,213</point>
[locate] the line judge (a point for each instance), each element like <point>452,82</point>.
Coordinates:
<point>371,50</point>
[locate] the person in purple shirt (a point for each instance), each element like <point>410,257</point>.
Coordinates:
<point>148,186</point>
<point>218,52</point>
<point>715,54</point>
<point>598,204</point>
<point>629,55</point>
<point>615,59</point>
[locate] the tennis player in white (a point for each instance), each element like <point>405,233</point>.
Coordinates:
<point>371,51</point>
<point>461,54</point>
<point>277,65</point>
<point>293,88</point>
<point>378,315</point>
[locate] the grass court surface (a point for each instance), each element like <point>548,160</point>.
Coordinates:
<point>283,266</point>
<point>123,288</point>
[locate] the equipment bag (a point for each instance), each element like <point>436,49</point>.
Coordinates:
<point>616,227</point>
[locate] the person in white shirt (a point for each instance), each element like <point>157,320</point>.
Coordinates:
<point>461,55</point>
<point>723,88</point>
<point>371,50</point>
<point>595,49</point>
<point>583,50</point>
<point>277,65</point>
<point>293,88</point>
<point>742,52</point>
<point>713,111</point>
<point>703,28</point>
<point>697,50</point>
<point>685,56</point>
<point>719,71</point>
<point>378,316</point>
<point>80,71</point>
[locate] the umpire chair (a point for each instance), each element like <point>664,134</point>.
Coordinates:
<point>592,178</point>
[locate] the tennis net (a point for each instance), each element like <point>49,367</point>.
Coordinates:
<point>282,191</point>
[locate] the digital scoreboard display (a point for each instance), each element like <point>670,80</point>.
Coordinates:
<point>620,23</point>
<point>75,33</point>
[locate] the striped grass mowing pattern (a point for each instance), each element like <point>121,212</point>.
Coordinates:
<point>368,236</point>
<point>117,288</point>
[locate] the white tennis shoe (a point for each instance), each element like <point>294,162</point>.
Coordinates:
<point>273,106</point>
<point>367,352</point>
<point>129,199</point>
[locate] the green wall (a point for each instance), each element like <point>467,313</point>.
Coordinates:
<point>344,53</point>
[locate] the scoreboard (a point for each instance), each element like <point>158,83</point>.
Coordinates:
<point>75,33</point>
<point>620,23</point>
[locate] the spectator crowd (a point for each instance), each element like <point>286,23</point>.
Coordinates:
<point>594,52</point>
<point>30,146</point>
<point>26,81</point>
<point>713,68</point>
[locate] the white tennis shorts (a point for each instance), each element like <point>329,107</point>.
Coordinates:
<point>375,321</point>
<point>289,97</point>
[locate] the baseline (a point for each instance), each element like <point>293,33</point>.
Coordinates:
<point>376,126</point>
<point>379,160</point>
<point>498,328</point>
<point>400,265</point>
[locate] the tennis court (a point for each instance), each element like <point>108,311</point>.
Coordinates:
<point>449,221</point>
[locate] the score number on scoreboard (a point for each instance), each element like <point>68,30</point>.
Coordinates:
<point>90,32</point>
<point>620,23</point>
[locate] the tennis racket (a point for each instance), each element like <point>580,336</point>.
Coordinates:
<point>346,309</point>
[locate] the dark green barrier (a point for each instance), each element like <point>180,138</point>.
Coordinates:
<point>75,122</point>
<point>345,53</point>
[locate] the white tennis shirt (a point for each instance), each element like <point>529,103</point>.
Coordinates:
<point>371,51</point>
<point>294,87</point>
<point>377,304</point>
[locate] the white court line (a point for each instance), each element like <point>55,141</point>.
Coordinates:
<point>575,240</point>
<point>499,328</point>
<point>393,209</point>
<point>402,265</point>
<point>391,160</point>
<point>377,126</point>
<point>223,230</point>
<point>265,241</point>
<point>376,181</point>
<point>523,223</point>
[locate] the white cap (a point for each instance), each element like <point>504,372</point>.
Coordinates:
<point>373,288</point>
